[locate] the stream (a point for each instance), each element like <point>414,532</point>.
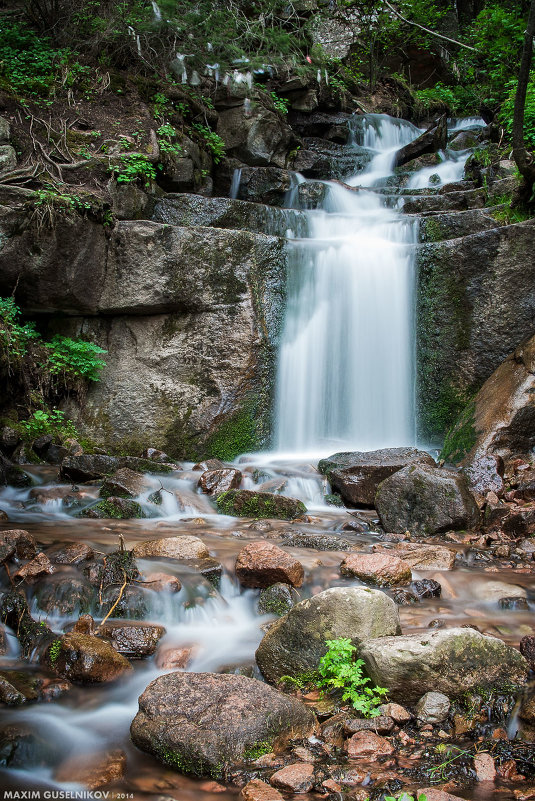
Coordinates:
<point>345,382</point>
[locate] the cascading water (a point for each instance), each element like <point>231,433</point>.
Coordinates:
<point>346,366</point>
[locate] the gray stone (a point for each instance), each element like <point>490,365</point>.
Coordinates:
<point>259,139</point>
<point>207,723</point>
<point>8,158</point>
<point>295,643</point>
<point>357,475</point>
<point>125,483</point>
<point>433,708</point>
<point>5,130</point>
<point>449,661</point>
<point>183,547</point>
<point>425,501</point>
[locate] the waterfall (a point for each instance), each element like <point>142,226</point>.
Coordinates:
<point>346,364</point>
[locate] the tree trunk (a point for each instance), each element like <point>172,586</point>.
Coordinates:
<point>524,160</point>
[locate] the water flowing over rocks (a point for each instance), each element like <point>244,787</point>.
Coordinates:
<point>85,659</point>
<point>451,661</point>
<point>425,501</point>
<point>206,723</point>
<point>295,643</point>
<point>357,475</point>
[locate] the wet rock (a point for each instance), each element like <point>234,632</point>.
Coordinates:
<point>132,602</point>
<point>56,454</point>
<point>420,556</point>
<point>4,517</point>
<point>114,508</point>
<point>163,582</point>
<point>134,640</point>
<point>261,564</point>
<point>3,640</point>
<point>527,649</point>
<point>246,503</point>
<point>67,595</point>
<point>381,569</point>
<point>209,568</point>
<point>88,467</point>
<point>367,744</point>
<point>494,591</point>
<point>277,599</point>
<point>125,483</point>
<point>39,566</point>
<point>257,790</point>
<point>431,141</point>
<point>295,643</point>
<point>433,708</point>
<point>6,552</point>
<point>425,501</point>
<point>21,747</point>
<point>32,636</point>
<point>214,482</point>
<point>450,661</point>
<point>380,725</point>
<point>357,475</point>
<point>298,778</point>
<point>500,420</point>
<point>155,455</point>
<point>93,770</point>
<point>70,553</point>
<point>84,625</point>
<point>433,794</point>
<point>258,138</point>
<point>45,494</point>
<point>84,659</point>
<point>513,603</point>
<point>484,767</point>
<point>206,723</point>
<point>398,713</point>
<point>426,588</point>
<point>23,541</point>
<point>9,694</point>
<point>320,542</point>
<point>183,547</point>
<point>175,658</point>
<point>527,708</point>
<point>209,464</point>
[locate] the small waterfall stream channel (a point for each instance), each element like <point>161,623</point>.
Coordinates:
<point>346,381</point>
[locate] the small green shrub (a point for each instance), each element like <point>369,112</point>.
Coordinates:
<point>280,104</point>
<point>136,167</point>
<point>47,422</point>
<point>340,671</point>
<point>166,136</point>
<point>75,358</point>
<point>212,140</point>
<point>506,111</point>
<point>14,337</point>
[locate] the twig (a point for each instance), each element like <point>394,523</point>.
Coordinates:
<point>427,30</point>
<point>116,602</point>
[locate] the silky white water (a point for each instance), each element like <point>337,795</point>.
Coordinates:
<point>346,365</point>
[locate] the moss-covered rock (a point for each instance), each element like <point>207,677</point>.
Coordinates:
<point>246,503</point>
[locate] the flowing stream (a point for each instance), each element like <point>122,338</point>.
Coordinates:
<point>346,381</point>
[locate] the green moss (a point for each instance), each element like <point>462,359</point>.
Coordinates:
<point>105,509</point>
<point>257,750</point>
<point>431,230</point>
<point>189,765</point>
<point>333,500</point>
<point>462,437</point>
<point>54,651</point>
<point>236,435</point>
<point>258,505</point>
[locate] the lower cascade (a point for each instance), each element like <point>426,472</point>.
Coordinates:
<point>172,629</point>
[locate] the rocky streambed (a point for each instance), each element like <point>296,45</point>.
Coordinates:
<point>229,580</point>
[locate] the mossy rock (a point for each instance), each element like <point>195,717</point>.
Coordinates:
<point>115,508</point>
<point>246,503</point>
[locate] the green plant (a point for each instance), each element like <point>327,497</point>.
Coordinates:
<point>166,134</point>
<point>339,670</point>
<point>280,104</point>
<point>213,141</point>
<point>405,797</point>
<point>506,111</point>
<point>14,337</point>
<point>54,651</point>
<point>75,358</point>
<point>136,167</point>
<point>439,772</point>
<point>47,422</point>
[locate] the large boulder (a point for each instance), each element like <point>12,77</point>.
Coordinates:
<point>498,422</point>
<point>356,475</point>
<point>246,503</point>
<point>383,569</point>
<point>425,501</point>
<point>449,661</point>
<point>259,138</point>
<point>88,467</point>
<point>295,643</point>
<point>125,483</point>
<point>207,723</point>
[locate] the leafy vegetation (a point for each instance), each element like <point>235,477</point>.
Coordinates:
<point>136,167</point>
<point>47,422</point>
<point>339,670</point>
<point>213,141</point>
